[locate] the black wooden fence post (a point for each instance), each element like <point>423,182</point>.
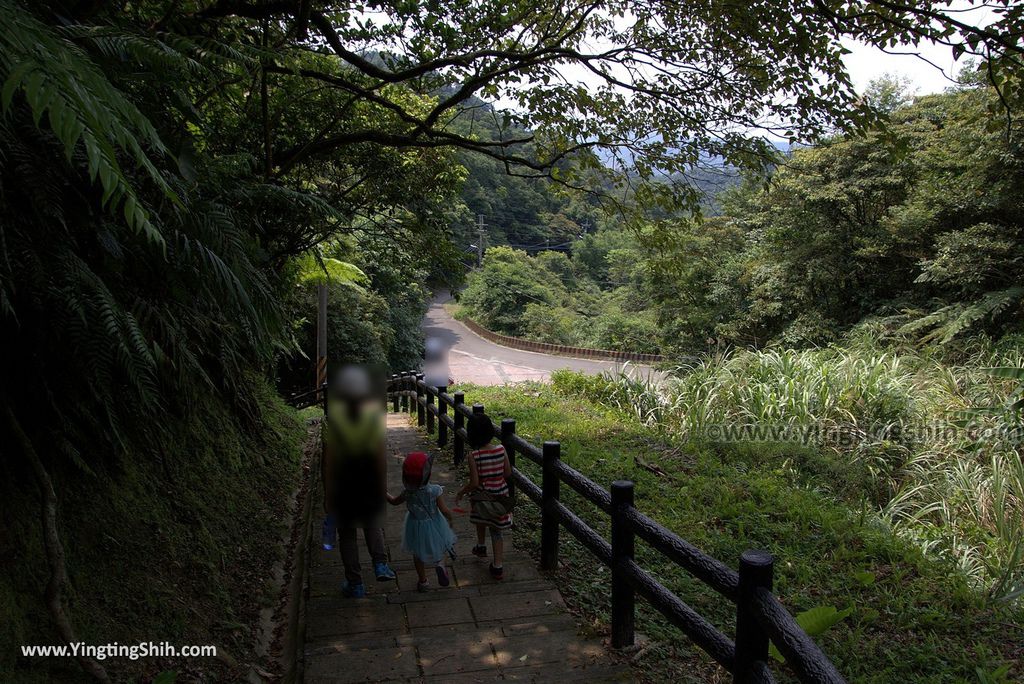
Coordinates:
<point>442,411</point>
<point>396,388</point>
<point>458,444</point>
<point>421,417</point>
<point>412,392</point>
<point>478,409</point>
<point>550,485</point>
<point>623,596</point>
<point>404,387</point>
<point>430,414</point>
<point>756,569</point>
<point>508,428</point>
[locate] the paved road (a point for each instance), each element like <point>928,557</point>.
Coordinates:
<point>476,360</point>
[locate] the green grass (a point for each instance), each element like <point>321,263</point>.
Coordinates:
<point>169,544</point>
<point>915,618</point>
<point>893,421</point>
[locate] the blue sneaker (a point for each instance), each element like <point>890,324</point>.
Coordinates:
<point>383,572</point>
<point>353,590</point>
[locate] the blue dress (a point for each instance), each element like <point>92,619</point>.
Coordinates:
<point>427,534</point>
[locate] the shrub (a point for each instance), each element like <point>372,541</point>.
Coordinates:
<point>554,324</point>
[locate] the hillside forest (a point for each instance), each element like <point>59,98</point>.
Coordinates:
<point>910,232</point>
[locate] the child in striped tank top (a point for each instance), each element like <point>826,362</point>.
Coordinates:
<point>489,469</point>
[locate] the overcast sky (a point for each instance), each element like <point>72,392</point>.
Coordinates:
<point>866,63</point>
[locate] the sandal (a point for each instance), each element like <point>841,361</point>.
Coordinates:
<point>442,575</point>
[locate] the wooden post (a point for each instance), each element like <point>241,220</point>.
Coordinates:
<point>430,414</point>
<point>756,570</point>
<point>421,417</point>
<point>396,389</point>
<point>404,386</point>
<point>508,428</point>
<point>458,443</point>
<point>623,596</point>
<point>480,240</point>
<point>442,410</point>
<point>478,409</point>
<point>550,486</point>
<point>412,392</point>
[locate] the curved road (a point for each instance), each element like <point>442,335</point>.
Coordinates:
<point>476,360</point>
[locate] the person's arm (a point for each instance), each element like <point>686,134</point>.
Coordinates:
<point>396,500</point>
<point>508,464</point>
<point>474,480</point>
<point>382,467</point>
<point>444,509</point>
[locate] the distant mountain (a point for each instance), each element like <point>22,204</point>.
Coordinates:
<point>531,213</point>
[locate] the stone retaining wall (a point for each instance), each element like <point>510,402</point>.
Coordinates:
<point>559,349</point>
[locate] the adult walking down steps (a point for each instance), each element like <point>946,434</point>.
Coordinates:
<point>476,630</point>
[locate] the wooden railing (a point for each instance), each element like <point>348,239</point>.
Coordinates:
<point>760,617</point>
<point>559,349</point>
<point>309,398</point>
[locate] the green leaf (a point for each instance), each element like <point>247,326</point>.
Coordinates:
<point>864,578</point>
<point>815,621</point>
<point>317,270</point>
<point>1011,372</point>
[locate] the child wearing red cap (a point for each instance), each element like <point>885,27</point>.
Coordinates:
<point>427,534</point>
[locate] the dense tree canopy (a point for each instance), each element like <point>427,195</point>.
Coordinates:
<point>915,225</point>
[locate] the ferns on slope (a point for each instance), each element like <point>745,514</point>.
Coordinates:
<point>124,288</point>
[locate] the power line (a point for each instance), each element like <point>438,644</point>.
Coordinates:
<point>539,246</point>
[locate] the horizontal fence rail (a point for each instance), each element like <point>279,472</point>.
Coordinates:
<point>560,349</point>
<point>312,397</point>
<point>760,617</point>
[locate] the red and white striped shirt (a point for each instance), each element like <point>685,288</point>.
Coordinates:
<point>490,469</point>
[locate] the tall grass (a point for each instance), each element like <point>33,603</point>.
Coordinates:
<point>935,468</point>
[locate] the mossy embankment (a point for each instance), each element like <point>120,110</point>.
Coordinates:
<point>915,618</point>
<point>173,543</point>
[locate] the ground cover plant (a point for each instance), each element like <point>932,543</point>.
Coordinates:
<point>916,616</point>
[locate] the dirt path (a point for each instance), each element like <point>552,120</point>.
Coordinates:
<point>476,630</point>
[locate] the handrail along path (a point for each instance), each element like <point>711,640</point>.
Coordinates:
<point>760,616</point>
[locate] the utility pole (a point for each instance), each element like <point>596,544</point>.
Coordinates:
<point>321,337</point>
<point>480,240</point>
